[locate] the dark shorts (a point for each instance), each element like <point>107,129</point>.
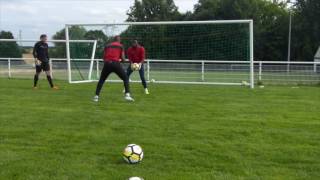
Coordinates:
<point>44,66</point>
<point>112,66</point>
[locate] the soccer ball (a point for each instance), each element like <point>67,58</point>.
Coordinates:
<point>135,178</point>
<point>245,83</point>
<point>132,154</point>
<point>135,66</point>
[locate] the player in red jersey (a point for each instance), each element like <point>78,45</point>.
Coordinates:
<point>113,55</point>
<point>136,54</point>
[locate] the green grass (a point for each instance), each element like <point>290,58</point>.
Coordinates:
<point>188,132</point>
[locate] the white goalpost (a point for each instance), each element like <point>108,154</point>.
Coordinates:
<point>22,55</point>
<point>187,52</point>
<point>69,59</point>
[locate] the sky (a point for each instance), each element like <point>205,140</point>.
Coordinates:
<point>35,17</point>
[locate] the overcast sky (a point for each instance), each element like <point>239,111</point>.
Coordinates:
<point>34,17</point>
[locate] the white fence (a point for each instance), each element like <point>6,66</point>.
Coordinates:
<point>177,71</point>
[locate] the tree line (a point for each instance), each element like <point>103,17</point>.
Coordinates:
<point>271,27</point>
<point>271,22</point>
<point>9,49</point>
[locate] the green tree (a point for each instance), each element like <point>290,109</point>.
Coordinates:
<point>180,41</point>
<point>153,10</point>
<point>156,39</point>
<point>270,22</point>
<point>306,29</point>
<point>75,32</point>
<point>9,49</point>
<point>77,50</point>
<point>270,29</point>
<point>101,38</point>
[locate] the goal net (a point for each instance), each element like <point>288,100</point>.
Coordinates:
<point>16,58</point>
<point>194,52</point>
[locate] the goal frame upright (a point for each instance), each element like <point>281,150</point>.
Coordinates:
<point>245,21</point>
<point>68,40</point>
<point>92,56</point>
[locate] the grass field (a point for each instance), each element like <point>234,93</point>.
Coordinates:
<point>187,132</point>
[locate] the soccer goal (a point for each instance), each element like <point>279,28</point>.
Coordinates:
<point>17,56</point>
<point>191,52</point>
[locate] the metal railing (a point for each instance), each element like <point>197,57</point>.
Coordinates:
<point>183,71</point>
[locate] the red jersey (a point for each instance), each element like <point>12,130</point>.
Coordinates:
<point>113,52</point>
<point>136,54</point>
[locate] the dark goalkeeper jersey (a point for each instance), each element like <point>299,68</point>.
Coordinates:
<point>40,51</point>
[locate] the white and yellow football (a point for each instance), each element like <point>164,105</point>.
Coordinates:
<point>135,66</point>
<point>135,178</point>
<point>133,154</point>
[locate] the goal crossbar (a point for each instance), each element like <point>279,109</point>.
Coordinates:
<point>52,40</point>
<point>166,23</point>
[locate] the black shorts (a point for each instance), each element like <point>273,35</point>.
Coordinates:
<point>112,66</point>
<point>44,66</point>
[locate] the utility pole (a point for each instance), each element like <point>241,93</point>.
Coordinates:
<point>289,36</point>
<point>20,37</point>
<point>0,15</point>
<point>289,41</point>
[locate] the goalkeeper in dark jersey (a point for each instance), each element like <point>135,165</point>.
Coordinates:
<point>41,56</point>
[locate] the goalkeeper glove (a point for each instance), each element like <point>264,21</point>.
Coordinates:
<point>37,62</point>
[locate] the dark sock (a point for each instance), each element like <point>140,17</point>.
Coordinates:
<point>35,80</point>
<point>144,83</point>
<point>50,81</point>
<point>99,87</point>
<point>126,86</point>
